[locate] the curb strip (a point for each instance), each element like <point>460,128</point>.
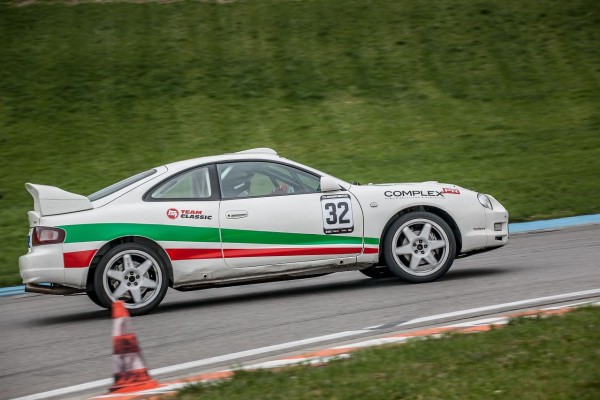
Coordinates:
<point>320,357</point>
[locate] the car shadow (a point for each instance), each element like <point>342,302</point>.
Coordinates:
<point>96,314</point>
<point>358,284</point>
<point>257,293</point>
<point>280,293</point>
<point>260,292</point>
<point>472,272</point>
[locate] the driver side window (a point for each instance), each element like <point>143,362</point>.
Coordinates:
<point>261,178</point>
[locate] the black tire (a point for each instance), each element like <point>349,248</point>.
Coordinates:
<point>139,267</point>
<point>377,272</point>
<point>419,247</point>
<point>93,297</point>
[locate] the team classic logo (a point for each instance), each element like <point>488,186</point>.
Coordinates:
<point>173,213</point>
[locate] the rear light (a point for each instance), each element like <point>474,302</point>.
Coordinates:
<point>46,235</point>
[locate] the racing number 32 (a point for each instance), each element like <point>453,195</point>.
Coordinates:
<point>337,213</point>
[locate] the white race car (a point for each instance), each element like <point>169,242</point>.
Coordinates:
<point>243,218</point>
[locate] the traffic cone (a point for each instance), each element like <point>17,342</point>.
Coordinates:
<point>131,374</point>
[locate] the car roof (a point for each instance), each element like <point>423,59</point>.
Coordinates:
<point>262,153</point>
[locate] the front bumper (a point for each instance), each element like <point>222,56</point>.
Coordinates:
<point>45,264</point>
<point>496,222</point>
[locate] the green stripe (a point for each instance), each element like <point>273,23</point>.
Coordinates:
<point>107,232</point>
<point>261,237</point>
<point>374,241</point>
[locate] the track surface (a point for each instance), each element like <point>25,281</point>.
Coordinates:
<point>49,342</point>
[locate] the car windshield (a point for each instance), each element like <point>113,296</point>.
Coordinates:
<point>120,185</point>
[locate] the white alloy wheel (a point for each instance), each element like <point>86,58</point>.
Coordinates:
<point>134,274</point>
<point>420,247</point>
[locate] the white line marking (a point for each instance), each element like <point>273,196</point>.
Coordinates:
<point>253,352</point>
<point>374,327</point>
<point>373,342</point>
<point>68,390</point>
<point>234,356</point>
<point>479,322</point>
<point>499,306</point>
<point>579,303</point>
<point>294,361</point>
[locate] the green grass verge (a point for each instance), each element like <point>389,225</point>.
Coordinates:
<point>497,96</point>
<point>554,358</point>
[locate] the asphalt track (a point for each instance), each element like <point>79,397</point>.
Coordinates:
<point>49,342</point>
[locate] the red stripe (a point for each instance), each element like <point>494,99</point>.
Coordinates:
<point>78,259</point>
<point>193,254</point>
<point>279,252</point>
<point>198,254</point>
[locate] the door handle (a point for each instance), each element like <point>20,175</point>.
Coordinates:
<point>235,214</point>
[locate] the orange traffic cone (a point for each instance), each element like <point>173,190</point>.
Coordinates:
<point>131,374</point>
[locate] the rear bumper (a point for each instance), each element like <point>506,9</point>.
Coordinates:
<point>45,264</point>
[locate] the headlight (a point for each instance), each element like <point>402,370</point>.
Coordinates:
<point>485,201</point>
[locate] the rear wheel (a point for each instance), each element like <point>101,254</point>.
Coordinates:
<point>133,273</point>
<point>419,247</point>
<point>93,297</point>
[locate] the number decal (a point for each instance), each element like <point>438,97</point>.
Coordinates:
<point>332,218</point>
<point>346,207</point>
<point>337,213</point>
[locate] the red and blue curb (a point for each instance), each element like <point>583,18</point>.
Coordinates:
<point>323,356</point>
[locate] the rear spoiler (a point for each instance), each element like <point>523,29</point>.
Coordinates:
<point>50,200</point>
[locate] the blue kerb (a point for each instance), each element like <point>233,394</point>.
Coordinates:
<point>517,227</point>
<point>10,291</point>
<point>13,290</point>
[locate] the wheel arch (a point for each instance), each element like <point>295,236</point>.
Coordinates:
<point>432,209</point>
<point>128,239</point>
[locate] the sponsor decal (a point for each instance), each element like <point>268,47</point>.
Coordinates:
<point>194,214</point>
<point>412,193</point>
<point>173,213</point>
<point>450,191</point>
<point>337,214</point>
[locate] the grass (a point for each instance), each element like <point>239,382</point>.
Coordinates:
<point>554,358</point>
<point>493,95</point>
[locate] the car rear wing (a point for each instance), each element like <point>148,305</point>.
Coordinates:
<point>50,200</point>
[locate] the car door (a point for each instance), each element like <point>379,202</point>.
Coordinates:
<point>273,214</point>
<point>187,208</point>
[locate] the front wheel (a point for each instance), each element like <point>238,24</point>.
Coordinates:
<point>419,247</point>
<point>134,273</point>
<point>377,272</point>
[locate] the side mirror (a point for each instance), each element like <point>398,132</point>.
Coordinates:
<point>329,184</point>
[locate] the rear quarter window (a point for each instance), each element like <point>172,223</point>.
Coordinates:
<point>120,185</point>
